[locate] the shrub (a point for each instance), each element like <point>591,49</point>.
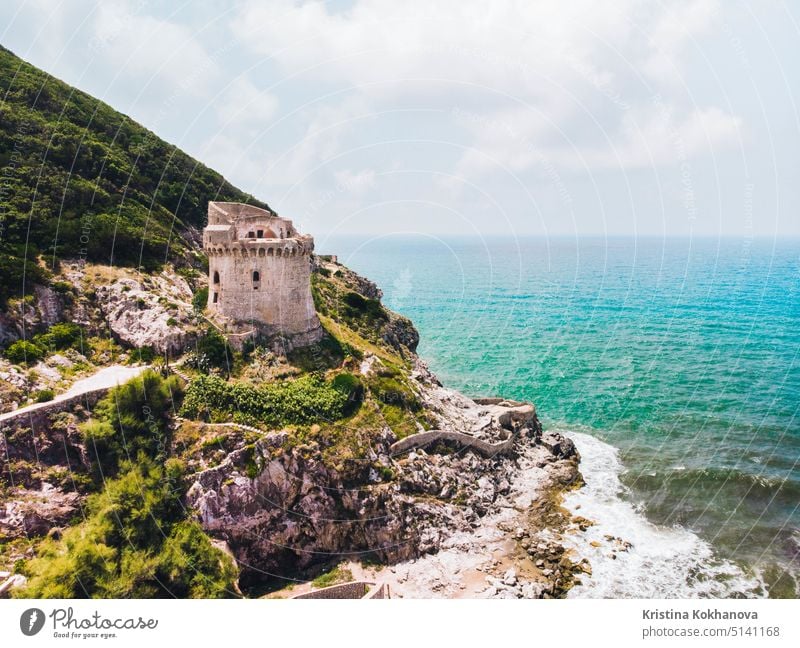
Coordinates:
<point>144,354</point>
<point>393,392</point>
<point>45,395</point>
<point>356,301</point>
<point>24,352</point>
<point>307,399</point>
<point>351,386</point>
<point>358,305</point>
<point>214,351</point>
<point>62,287</point>
<point>64,335</point>
<point>133,543</point>
<point>132,421</point>
<point>200,299</point>
<point>335,576</point>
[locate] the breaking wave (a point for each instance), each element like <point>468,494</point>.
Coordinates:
<point>660,562</point>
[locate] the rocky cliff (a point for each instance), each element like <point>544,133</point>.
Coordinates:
<point>282,508</point>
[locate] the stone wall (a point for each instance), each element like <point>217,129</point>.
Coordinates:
<point>278,296</point>
<point>423,439</point>
<point>354,590</point>
<point>38,415</point>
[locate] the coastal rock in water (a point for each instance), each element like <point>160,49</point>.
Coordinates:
<point>561,446</point>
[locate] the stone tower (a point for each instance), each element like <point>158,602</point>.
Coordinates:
<point>259,272</point>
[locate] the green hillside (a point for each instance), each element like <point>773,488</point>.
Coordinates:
<point>81,180</point>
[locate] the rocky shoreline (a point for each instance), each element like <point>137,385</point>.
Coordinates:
<point>451,523</point>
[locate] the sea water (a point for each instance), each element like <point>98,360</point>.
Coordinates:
<point>672,363</point>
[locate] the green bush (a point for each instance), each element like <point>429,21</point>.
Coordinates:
<point>132,421</point>
<point>335,576</point>
<point>307,399</point>
<point>143,354</point>
<point>350,385</point>
<point>62,287</point>
<point>44,395</point>
<point>134,543</point>
<point>213,351</point>
<point>356,301</point>
<point>24,352</point>
<point>200,299</point>
<point>64,335</point>
<point>391,391</point>
<point>358,305</point>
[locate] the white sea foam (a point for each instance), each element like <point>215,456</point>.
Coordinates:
<point>661,563</point>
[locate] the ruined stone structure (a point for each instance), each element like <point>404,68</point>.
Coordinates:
<point>260,272</point>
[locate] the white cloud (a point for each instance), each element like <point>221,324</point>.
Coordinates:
<point>677,26</point>
<point>574,80</point>
<point>154,50</point>
<point>659,138</point>
<point>323,137</point>
<point>241,102</point>
<point>355,181</point>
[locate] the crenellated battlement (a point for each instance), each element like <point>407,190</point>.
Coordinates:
<point>302,246</point>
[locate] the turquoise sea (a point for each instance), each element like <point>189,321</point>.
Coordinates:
<point>673,363</point>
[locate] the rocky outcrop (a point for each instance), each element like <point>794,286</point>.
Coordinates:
<point>400,333</point>
<point>43,467</point>
<point>158,314</point>
<point>355,281</point>
<point>28,513</point>
<point>281,508</point>
<point>26,317</point>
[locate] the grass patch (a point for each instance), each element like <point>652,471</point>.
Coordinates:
<point>335,576</point>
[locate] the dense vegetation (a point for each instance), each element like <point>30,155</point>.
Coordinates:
<point>132,422</point>
<point>334,299</point>
<point>61,336</point>
<point>80,179</point>
<point>135,540</point>
<point>308,399</point>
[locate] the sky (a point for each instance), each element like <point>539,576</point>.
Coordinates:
<point>546,118</point>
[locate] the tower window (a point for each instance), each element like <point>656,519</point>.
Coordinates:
<point>260,233</point>
<point>216,277</point>
<point>216,298</point>
<point>251,234</point>
<point>256,279</point>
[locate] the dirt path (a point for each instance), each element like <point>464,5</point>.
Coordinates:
<point>104,379</point>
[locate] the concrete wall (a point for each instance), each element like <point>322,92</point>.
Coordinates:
<point>381,591</point>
